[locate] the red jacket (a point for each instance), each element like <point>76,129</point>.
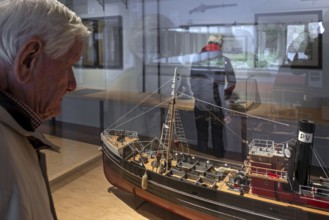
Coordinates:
<point>211,47</point>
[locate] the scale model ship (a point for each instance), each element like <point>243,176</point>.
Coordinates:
<point>273,182</point>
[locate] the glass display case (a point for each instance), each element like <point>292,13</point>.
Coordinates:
<point>208,109</point>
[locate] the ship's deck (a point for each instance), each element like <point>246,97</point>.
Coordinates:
<point>115,142</point>
<point>222,186</point>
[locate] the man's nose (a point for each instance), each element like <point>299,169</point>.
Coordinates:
<point>72,83</point>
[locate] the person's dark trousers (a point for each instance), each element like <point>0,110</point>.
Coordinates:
<point>202,119</point>
<point>217,135</point>
<point>202,124</point>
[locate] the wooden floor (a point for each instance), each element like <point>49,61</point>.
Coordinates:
<point>81,191</point>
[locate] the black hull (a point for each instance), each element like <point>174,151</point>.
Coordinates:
<point>192,201</point>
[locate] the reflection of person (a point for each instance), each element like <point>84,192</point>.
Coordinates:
<point>40,41</point>
<point>209,71</point>
<point>293,78</point>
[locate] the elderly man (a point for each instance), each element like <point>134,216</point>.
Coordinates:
<point>40,40</point>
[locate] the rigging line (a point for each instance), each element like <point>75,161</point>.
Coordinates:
<point>286,141</point>
<point>237,112</point>
<point>140,103</point>
<point>316,156</point>
<point>290,182</point>
<point>244,141</point>
<point>143,113</point>
<point>320,161</point>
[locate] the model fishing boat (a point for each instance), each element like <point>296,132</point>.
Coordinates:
<point>273,183</point>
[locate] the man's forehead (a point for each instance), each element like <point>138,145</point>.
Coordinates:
<point>74,53</point>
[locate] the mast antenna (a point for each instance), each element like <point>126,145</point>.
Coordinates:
<point>171,111</point>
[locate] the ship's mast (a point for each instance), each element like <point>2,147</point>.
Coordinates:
<point>171,109</point>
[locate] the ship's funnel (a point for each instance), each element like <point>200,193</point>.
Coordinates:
<point>303,150</point>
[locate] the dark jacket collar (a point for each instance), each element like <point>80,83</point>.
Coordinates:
<point>20,116</point>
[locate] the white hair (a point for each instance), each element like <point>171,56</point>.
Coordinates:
<point>49,20</point>
<point>215,38</point>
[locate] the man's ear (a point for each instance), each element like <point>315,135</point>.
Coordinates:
<point>26,60</point>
